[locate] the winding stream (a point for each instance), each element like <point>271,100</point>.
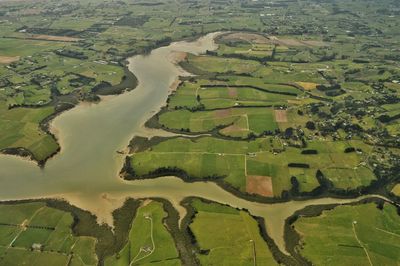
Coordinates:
<point>85,172</point>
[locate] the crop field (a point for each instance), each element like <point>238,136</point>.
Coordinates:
<point>21,129</point>
<point>149,241</point>
<point>34,234</point>
<point>227,236</point>
<point>354,239</point>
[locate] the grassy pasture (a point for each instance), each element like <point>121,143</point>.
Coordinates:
<point>396,190</point>
<point>21,47</point>
<point>262,82</point>
<point>229,236</point>
<point>223,65</point>
<point>349,178</point>
<point>194,121</point>
<point>394,127</point>
<point>192,94</point>
<point>294,120</point>
<point>184,96</point>
<point>70,23</point>
<point>149,242</point>
<point>283,72</point>
<point>34,95</point>
<point>305,177</point>
<point>343,169</point>
<point>20,128</point>
<point>203,157</point>
<point>18,213</point>
<point>247,50</point>
<point>197,164</point>
<point>23,225</point>
<point>274,166</point>
<point>346,233</point>
<point>392,109</point>
<point>234,160</point>
<point>224,97</point>
<point>244,120</point>
<point>16,257</point>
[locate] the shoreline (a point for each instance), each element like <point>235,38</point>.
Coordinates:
<point>276,234</point>
<point>46,124</point>
<point>127,83</point>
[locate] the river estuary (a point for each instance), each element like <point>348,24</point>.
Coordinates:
<point>85,172</point>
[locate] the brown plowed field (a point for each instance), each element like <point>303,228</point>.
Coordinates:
<point>260,185</point>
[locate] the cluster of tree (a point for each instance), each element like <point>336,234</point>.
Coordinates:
<point>387,118</point>
<point>299,165</point>
<point>309,152</point>
<point>332,90</point>
<point>71,54</point>
<point>132,21</point>
<point>351,149</point>
<point>82,80</point>
<point>199,107</point>
<point>54,32</point>
<point>4,83</point>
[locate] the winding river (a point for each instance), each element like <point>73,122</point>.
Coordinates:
<point>85,172</point>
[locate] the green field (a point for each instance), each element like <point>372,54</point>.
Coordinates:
<point>20,47</point>
<point>223,65</point>
<point>224,97</point>
<point>355,235</point>
<point>206,92</point>
<point>34,234</point>
<point>234,160</point>
<point>232,122</point>
<point>227,236</point>
<point>396,190</point>
<point>207,157</point>
<point>246,50</point>
<point>20,129</point>
<point>149,241</point>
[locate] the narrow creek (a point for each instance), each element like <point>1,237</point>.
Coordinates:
<point>85,172</point>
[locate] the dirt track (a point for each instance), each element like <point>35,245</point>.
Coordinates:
<point>8,59</point>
